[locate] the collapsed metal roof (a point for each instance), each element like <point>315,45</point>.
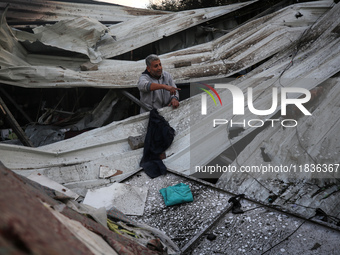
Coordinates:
<point>89,37</point>
<point>106,42</point>
<point>284,51</point>
<point>273,71</point>
<point>227,55</point>
<point>32,13</point>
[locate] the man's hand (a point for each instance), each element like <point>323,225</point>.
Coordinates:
<point>172,90</point>
<point>174,102</point>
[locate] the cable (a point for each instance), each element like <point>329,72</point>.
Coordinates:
<point>294,232</point>
<point>287,236</point>
<point>253,208</point>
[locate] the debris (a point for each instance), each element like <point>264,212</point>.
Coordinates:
<point>106,172</point>
<point>91,240</point>
<point>78,159</point>
<point>25,199</point>
<point>218,58</point>
<point>211,237</point>
<point>78,35</point>
<point>27,226</point>
<point>321,215</point>
<point>7,115</point>
<point>272,198</point>
<point>41,135</point>
<point>298,15</point>
<point>155,245</point>
<point>136,142</point>
<point>182,64</point>
<point>45,181</point>
<point>88,66</point>
<point>111,107</point>
<point>5,133</point>
<point>265,155</point>
<point>234,131</point>
<point>98,214</point>
<point>177,194</point>
<point>315,246</point>
<point>116,227</point>
<point>130,200</point>
<point>236,209</point>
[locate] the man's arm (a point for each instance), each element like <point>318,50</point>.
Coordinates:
<point>156,86</point>
<point>173,92</point>
<point>145,85</point>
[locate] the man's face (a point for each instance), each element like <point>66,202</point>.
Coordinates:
<point>155,69</point>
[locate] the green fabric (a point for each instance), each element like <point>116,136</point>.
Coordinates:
<point>177,194</point>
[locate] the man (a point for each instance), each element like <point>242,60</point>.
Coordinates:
<point>156,87</point>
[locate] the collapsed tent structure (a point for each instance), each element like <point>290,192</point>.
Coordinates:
<point>64,45</point>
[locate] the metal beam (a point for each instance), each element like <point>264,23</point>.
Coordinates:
<point>135,100</point>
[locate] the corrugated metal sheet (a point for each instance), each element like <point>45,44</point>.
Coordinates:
<point>78,159</point>
<point>80,35</point>
<point>88,36</point>
<point>311,152</point>
<point>151,29</point>
<point>223,57</point>
<point>317,60</point>
<point>26,12</point>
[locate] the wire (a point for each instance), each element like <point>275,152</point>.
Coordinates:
<point>254,208</point>
<point>299,42</point>
<point>303,148</point>
<point>287,236</point>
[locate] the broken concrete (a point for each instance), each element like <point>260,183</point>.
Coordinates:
<point>136,142</point>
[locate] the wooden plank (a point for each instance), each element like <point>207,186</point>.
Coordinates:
<point>16,105</point>
<point>14,124</point>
